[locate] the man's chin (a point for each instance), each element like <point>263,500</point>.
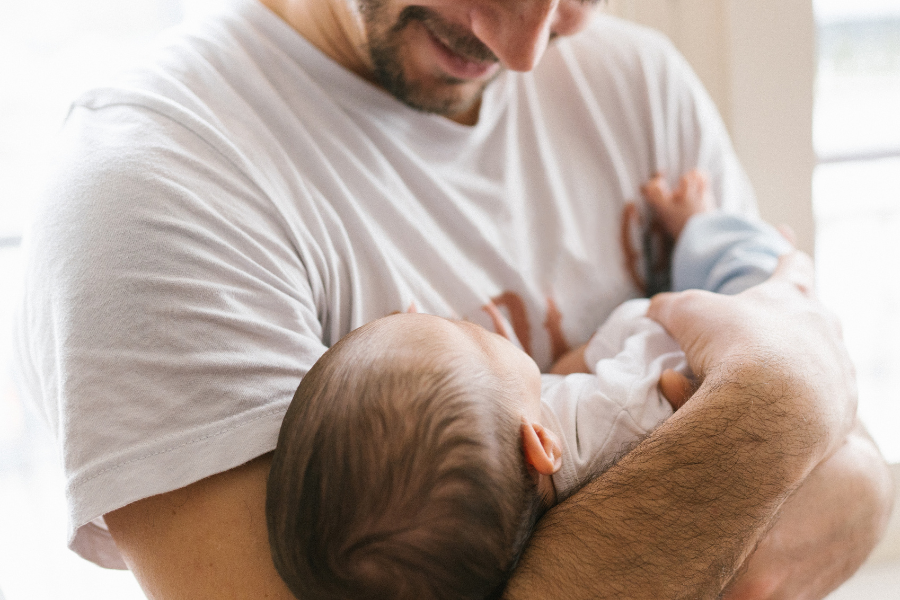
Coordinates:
<point>446,106</point>
<point>446,99</point>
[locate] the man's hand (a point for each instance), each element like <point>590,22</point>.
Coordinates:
<point>828,526</point>
<point>780,325</point>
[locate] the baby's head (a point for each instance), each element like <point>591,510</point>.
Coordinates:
<point>403,465</point>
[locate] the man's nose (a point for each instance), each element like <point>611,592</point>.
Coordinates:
<point>517,31</point>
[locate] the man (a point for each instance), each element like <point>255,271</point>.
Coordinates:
<point>222,215</point>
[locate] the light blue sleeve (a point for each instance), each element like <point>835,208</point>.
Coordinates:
<point>725,253</point>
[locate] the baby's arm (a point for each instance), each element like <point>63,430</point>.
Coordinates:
<point>606,409</point>
<point>675,387</point>
<point>635,371</point>
<point>571,362</point>
<point>674,209</point>
<point>714,250</point>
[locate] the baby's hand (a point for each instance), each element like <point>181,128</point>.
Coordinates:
<point>674,209</point>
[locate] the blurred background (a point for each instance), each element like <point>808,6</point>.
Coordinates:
<point>810,93</point>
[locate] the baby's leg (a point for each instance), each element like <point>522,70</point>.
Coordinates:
<point>674,208</point>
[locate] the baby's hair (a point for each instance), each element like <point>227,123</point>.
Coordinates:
<point>398,475</point>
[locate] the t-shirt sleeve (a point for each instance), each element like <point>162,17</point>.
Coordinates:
<point>601,414</point>
<point>725,253</point>
<point>167,318</point>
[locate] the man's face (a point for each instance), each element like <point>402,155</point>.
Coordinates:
<point>439,57</point>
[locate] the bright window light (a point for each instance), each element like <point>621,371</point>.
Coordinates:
<point>856,197</point>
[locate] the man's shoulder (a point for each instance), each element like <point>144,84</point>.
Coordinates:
<point>625,62</point>
<point>199,104</point>
<point>212,66</point>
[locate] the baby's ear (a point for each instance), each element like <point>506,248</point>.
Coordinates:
<point>541,448</point>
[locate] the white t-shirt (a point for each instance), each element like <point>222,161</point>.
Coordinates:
<point>600,415</point>
<point>223,213</point>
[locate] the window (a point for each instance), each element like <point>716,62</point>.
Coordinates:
<point>756,59</point>
<point>856,198</point>
<point>49,51</point>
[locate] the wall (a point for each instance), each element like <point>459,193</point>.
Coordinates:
<point>757,59</point>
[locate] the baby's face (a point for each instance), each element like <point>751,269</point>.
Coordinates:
<point>498,354</point>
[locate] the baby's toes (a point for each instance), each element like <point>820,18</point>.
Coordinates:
<point>656,191</point>
<point>694,183</point>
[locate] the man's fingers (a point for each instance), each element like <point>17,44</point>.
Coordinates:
<point>661,307</point>
<point>664,311</point>
<point>796,268</point>
<point>676,310</point>
<point>688,316</point>
<point>709,327</point>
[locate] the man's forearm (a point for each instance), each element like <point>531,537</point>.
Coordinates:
<point>825,530</point>
<point>206,541</point>
<point>680,514</point>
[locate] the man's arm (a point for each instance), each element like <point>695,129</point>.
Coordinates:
<point>205,541</point>
<point>820,536</point>
<point>209,540</point>
<point>678,516</point>
<point>825,530</point>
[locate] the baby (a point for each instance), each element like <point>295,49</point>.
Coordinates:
<point>419,452</point>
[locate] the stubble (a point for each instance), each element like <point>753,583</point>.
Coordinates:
<point>429,92</point>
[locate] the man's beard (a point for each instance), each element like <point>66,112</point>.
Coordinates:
<point>442,94</point>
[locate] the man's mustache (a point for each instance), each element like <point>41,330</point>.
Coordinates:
<point>458,39</point>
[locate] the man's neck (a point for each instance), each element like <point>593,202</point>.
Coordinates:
<point>329,25</point>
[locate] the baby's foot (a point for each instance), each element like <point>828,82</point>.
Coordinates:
<point>675,208</point>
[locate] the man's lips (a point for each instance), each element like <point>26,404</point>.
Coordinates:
<point>458,66</point>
